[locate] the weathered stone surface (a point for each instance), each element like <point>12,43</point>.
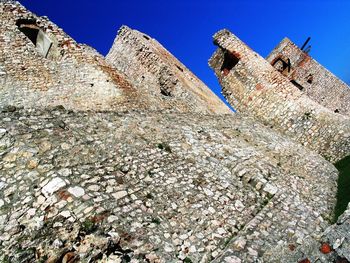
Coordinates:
<point>160,76</point>
<point>52,186</point>
<point>72,75</point>
<point>76,76</point>
<point>314,80</point>
<point>136,162</point>
<point>190,190</point>
<point>254,87</point>
<point>331,246</point>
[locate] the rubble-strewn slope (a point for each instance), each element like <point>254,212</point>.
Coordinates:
<point>162,187</point>
<point>133,159</point>
<point>332,246</point>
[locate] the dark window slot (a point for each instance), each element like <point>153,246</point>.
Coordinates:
<point>229,62</point>
<point>297,84</point>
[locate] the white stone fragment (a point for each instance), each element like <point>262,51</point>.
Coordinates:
<point>2,185</point>
<point>65,214</point>
<point>31,212</point>
<point>65,172</point>
<point>232,259</point>
<point>221,231</point>
<point>269,188</point>
<point>192,249</point>
<point>77,191</point>
<point>239,244</point>
<point>239,205</point>
<point>94,187</point>
<point>54,185</point>
<point>211,210</point>
<point>1,203</point>
<point>252,252</point>
<point>208,192</point>
<point>119,194</point>
<point>112,218</point>
<point>338,242</point>
<point>41,199</point>
<point>168,248</point>
<point>57,243</point>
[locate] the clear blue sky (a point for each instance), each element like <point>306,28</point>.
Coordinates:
<point>185,27</point>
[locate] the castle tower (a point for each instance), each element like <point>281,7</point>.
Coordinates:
<point>254,87</point>
<point>311,77</point>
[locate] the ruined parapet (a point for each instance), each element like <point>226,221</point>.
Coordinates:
<point>42,66</point>
<point>254,87</point>
<point>158,75</point>
<point>310,77</point>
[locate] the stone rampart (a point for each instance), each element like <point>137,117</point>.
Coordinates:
<point>254,87</point>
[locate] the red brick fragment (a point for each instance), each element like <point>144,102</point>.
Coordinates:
<point>325,248</point>
<point>64,195</point>
<point>305,260</point>
<point>259,86</point>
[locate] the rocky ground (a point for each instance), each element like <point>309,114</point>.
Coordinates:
<point>154,187</point>
<point>331,246</point>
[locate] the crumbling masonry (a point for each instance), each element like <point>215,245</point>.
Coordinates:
<point>254,87</point>
<point>131,158</point>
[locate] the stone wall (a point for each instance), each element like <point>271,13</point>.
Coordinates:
<point>154,187</point>
<point>42,66</point>
<point>114,180</point>
<point>314,80</point>
<point>158,74</point>
<point>72,75</point>
<point>254,87</point>
<point>333,245</point>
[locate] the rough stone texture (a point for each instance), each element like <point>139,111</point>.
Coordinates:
<point>317,82</point>
<point>155,72</point>
<point>156,186</point>
<point>78,77</point>
<point>254,87</point>
<point>72,75</point>
<point>98,164</point>
<point>332,246</point>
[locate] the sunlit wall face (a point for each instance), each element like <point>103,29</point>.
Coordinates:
<point>186,27</point>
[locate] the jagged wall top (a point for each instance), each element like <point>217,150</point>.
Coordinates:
<point>254,87</point>
<point>41,66</point>
<point>157,73</point>
<point>311,77</point>
<point>56,72</point>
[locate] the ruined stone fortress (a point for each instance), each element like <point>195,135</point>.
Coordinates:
<point>131,158</point>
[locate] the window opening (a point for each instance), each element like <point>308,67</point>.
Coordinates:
<point>41,41</point>
<point>230,60</point>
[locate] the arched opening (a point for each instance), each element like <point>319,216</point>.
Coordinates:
<point>40,40</point>
<point>281,65</point>
<point>310,79</point>
<point>230,60</point>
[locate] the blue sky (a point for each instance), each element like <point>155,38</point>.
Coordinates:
<point>185,28</point>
